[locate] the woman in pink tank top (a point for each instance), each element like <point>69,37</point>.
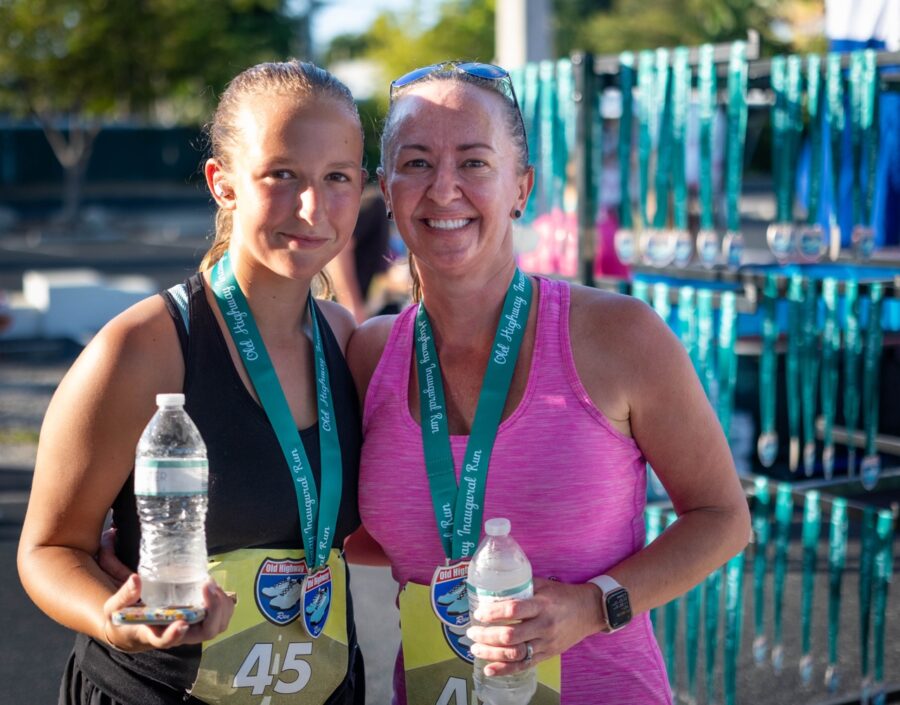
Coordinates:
<point>599,388</point>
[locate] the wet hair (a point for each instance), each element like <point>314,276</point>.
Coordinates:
<point>299,79</point>
<point>511,118</point>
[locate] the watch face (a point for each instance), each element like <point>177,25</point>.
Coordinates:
<point>618,608</point>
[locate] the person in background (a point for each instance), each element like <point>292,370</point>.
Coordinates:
<point>286,175</point>
<point>599,388</point>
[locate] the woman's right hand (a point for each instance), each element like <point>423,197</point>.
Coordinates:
<point>143,637</point>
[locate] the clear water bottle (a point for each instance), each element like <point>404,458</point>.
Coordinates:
<point>500,570</point>
<point>170,483</point>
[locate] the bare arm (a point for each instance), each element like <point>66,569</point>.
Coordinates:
<point>85,455</point>
<point>342,270</point>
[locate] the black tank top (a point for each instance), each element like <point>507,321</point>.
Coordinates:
<point>252,503</point>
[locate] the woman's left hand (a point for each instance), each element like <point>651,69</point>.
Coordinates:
<point>555,619</point>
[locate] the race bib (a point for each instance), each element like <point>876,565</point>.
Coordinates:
<point>267,654</point>
<point>437,661</point>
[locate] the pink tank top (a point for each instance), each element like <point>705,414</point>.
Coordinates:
<point>573,487</point>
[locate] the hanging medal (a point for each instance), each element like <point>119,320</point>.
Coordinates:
<point>658,242</point>
<point>767,443</point>
<point>734,617</point>
<point>530,103</point>
<point>780,234</point>
<point>831,344</point>
<point>761,522</point>
<point>852,350</point>
<point>726,359</point>
<point>784,511</point>
<point>812,522</point>
<point>707,239</point>
<point>796,286</point>
<point>864,138</point>
<point>318,515</point>
<point>837,556</point>
<point>733,245</point>
<point>705,342</point>
<point>811,241</point>
<point>836,125</point>
<point>458,510</point>
<point>624,241</point>
<point>809,374</point>
<point>870,467</point>
<point>646,100</point>
<point>868,548</point>
<point>883,569</point>
<point>681,86</point>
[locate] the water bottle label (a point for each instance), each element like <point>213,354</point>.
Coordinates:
<point>156,476</point>
<point>519,592</point>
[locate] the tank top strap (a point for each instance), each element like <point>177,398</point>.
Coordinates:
<point>391,376</point>
<point>552,337</point>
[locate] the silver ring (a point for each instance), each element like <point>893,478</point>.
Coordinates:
<point>529,652</point>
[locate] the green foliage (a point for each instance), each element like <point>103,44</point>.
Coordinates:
<point>121,58</point>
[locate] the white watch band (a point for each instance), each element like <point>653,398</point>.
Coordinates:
<point>606,583</point>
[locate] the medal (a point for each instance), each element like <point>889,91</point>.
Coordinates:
<point>316,600</point>
<point>449,598</point>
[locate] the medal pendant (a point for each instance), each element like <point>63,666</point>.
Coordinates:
<point>863,242</point>
<point>658,247</point>
<point>811,242</point>
<point>733,248</point>
<point>449,596</point>
<point>316,600</point>
<point>624,246</point>
<point>684,248</point>
<point>708,247</point>
<point>780,237</point>
<point>767,448</point>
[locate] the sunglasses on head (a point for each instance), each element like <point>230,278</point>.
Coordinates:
<point>488,72</point>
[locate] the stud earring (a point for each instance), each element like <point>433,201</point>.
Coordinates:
<point>517,214</point>
<point>220,192</point>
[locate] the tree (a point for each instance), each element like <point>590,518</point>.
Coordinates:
<point>75,64</point>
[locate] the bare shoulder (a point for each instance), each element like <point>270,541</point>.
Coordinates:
<point>339,319</point>
<point>365,348</point>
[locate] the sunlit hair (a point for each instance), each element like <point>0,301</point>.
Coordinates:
<point>297,79</point>
<point>511,119</point>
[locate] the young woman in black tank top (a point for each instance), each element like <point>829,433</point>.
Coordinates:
<point>286,173</point>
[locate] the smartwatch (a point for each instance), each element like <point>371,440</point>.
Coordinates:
<point>614,602</point>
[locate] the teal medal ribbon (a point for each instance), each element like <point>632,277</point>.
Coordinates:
<point>870,467</point>
<point>530,103</point>
<point>733,245</point>
<point>809,375</point>
<point>780,234</point>
<point>837,557</point>
<point>624,241</point>
<point>645,78</point>
<point>868,548</point>
<point>852,351</point>
<point>318,515</point>
<point>812,522</point>
<point>671,628</point>
<point>692,637</point>
<point>811,242</point>
<point>761,510</point>
<point>687,322</point>
<point>831,345</point>
<point>734,617</point>
<point>640,291</point>
<point>784,511</point>
<point>712,590</point>
<point>864,137</point>
<point>767,443</point>
<point>796,286</point>
<point>657,246</point>
<point>458,511</point>
<point>707,239</point>
<point>884,532</point>
<point>834,82</point>
<point>548,118</point>
<point>681,87</point>
<point>705,340</point>
<point>727,359</point>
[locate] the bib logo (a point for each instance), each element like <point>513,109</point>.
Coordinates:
<point>316,601</point>
<point>449,597</point>
<point>279,586</point>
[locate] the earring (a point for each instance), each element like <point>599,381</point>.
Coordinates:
<point>220,192</point>
<point>516,214</point>
<point>390,215</point>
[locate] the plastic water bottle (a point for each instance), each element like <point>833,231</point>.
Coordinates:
<point>170,483</point>
<point>500,570</point>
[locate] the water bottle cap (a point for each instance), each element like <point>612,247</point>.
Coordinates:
<point>497,527</point>
<point>169,400</point>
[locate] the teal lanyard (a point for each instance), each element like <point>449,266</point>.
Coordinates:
<point>780,234</point>
<point>726,359</point>
<point>784,509</point>
<point>646,74</point>
<point>662,136</point>
<point>761,520</point>
<point>624,238</point>
<point>837,556</point>
<point>767,444</point>
<point>737,130</point>
<point>831,345</point>
<point>870,467</point>
<point>734,616</point>
<point>458,511</point>
<point>705,340</point>
<point>712,589</point>
<point>812,523</point>
<point>548,117</point>
<point>681,87</point>
<point>868,547</point>
<point>318,519</point>
<point>687,322</point>
<point>884,531</point>
<point>811,242</point>
<point>836,126</point>
<point>864,134</point>
<point>852,350</point>
<point>809,374</point>
<point>792,385</point>
<point>707,238</point>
